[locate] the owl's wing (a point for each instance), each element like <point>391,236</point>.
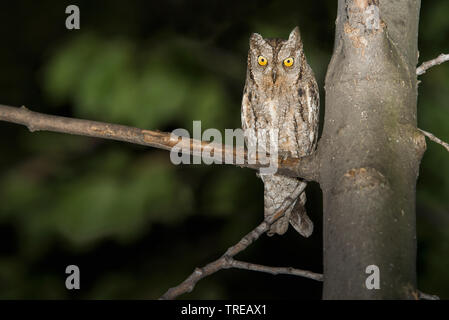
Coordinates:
<point>307,133</point>
<point>314,110</point>
<point>248,118</point>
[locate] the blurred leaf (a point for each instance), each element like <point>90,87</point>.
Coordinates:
<point>103,79</point>
<point>67,68</point>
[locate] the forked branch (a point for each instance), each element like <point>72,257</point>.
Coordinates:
<point>227,261</point>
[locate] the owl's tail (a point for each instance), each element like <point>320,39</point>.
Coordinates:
<point>276,190</point>
<point>299,218</point>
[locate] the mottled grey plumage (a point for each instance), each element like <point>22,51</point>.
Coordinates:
<point>283,97</point>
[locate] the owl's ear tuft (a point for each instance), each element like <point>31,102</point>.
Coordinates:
<point>294,36</point>
<point>254,40</point>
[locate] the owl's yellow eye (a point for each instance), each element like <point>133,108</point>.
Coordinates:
<point>262,60</point>
<point>288,62</point>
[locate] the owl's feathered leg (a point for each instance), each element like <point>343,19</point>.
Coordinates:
<point>276,190</point>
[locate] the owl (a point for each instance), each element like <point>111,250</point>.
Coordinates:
<point>281,93</point>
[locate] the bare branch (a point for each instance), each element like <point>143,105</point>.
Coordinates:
<point>226,261</point>
<point>426,296</point>
<point>435,139</point>
<point>431,63</point>
<point>264,226</point>
<point>275,270</point>
<point>306,167</point>
<point>188,284</point>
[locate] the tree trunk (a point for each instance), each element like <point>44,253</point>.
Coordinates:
<point>370,151</point>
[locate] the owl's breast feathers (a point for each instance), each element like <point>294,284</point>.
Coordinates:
<point>293,110</point>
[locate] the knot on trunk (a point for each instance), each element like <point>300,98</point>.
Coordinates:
<point>359,179</point>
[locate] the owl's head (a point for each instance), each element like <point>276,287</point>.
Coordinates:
<point>273,62</point>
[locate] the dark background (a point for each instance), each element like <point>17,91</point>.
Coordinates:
<point>132,221</point>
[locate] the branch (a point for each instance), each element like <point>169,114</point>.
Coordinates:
<point>222,263</point>
<point>426,296</point>
<point>435,139</point>
<point>226,261</point>
<point>275,270</point>
<point>431,63</point>
<point>305,167</point>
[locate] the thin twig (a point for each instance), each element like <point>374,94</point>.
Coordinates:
<point>275,270</point>
<point>435,139</point>
<point>226,261</point>
<point>199,273</point>
<point>431,63</point>
<point>426,296</point>
<point>264,226</point>
<point>188,284</point>
<point>305,167</point>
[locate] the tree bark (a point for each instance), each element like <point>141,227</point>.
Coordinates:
<point>370,151</point>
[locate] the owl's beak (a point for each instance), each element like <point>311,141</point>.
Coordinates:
<point>274,76</point>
